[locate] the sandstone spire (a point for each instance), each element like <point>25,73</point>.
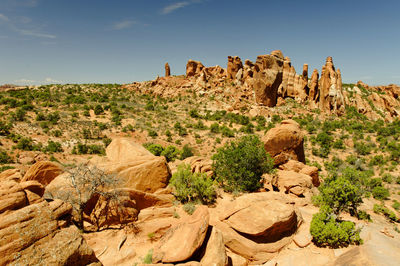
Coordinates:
<point>167,70</point>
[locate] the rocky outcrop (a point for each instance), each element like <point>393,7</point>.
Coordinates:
<point>193,68</point>
<point>43,171</point>
<point>135,166</point>
<point>34,231</point>
<point>268,78</point>
<point>181,241</point>
<point>215,253</point>
<point>234,66</point>
<point>301,168</point>
<point>331,93</point>
<point>314,92</point>
<point>285,142</point>
<point>292,182</point>
<point>293,85</point>
<point>256,226</point>
<point>167,70</point>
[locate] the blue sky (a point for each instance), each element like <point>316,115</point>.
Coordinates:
<point>107,41</point>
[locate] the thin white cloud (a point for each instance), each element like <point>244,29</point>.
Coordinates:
<point>3,17</point>
<point>24,81</point>
<point>24,26</point>
<point>125,24</point>
<point>50,80</point>
<point>35,33</point>
<point>175,6</point>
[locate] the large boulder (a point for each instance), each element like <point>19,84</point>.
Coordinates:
<point>292,182</point>
<point>43,171</point>
<point>285,142</point>
<point>40,232</point>
<point>215,253</point>
<point>300,167</point>
<point>135,166</point>
<point>257,226</point>
<point>181,241</point>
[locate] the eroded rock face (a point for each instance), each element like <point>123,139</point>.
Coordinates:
<point>34,231</point>
<point>43,171</point>
<point>234,66</point>
<point>301,168</point>
<point>268,78</point>
<point>193,68</point>
<point>331,92</point>
<point>181,241</point>
<point>285,142</point>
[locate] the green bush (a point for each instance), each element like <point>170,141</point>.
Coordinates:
<point>98,110</point>
<point>340,194</point>
<point>4,157</point>
<point>187,152</point>
<point>239,165</point>
<point>327,230</point>
<point>4,128</point>
<point>53,147</point>
<point>88,149</point>
<point>155,149</point>
<point>192,186</point>
<point>171,153</point>
<point>380,193</point>
<point>381,209</point>
<point>214,128</point>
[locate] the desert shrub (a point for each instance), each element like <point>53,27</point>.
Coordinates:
<point>179,129</point>
<point>88,149</point>
<point>362,148</point>
<point>239,164</point>
<point>214,128</point>
<point>148,258</point>
<point>338,144</point>
<point>388,178</point>
<point>195,187</point>
<point>380,193</point>
<point>128,128</point>
<point>340,194</point>
<point>4,128</point>
<point>327,230</point>
<point>106,141</point>
<point>98,110</point>
<point>53,147</point>
<point>25,144</point>
<point>381,209</point>
<point>4,157</point>
<point>227,132</point>
<point>155,149</point>
<point>396,205</point>
<point>189,207</point>
<point>377,160</point>
<point>152,133</point>
<point>53,117</point>
<point>171,153</point>
<point>187,152</point>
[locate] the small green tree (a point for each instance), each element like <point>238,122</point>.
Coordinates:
<point>239,165</point>
<point>327,230</point>
<point>192,186</point>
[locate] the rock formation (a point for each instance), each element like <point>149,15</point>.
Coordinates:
<point>43,171</point>
<point>167,70</point>
<point>34,231</point>
<point>193,68</point>
<point>234,66</point>
<point>285,142</point>
<point>267,78</point>
<point>330,85</point>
